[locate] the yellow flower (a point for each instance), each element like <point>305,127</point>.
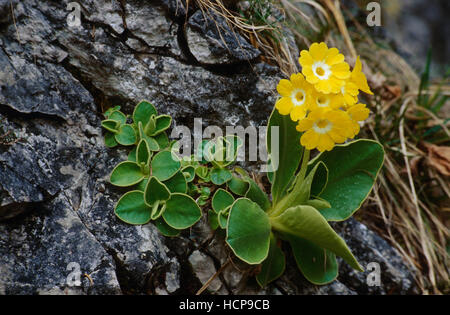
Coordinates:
<point>349,94</point>
<point>359,79</point>
<point>295,96</point>
<point>323,129</point>
<point>357,113</point>
<point>321,101</point>
<point>324,68</point>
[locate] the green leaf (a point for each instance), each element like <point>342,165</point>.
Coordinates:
<point>202,172</point>
<point>177,183</point>
<point>132,155</point>
<point>307,223</point>
<point>157,210</point>
<point>110,141</point>
<point>289,153</point>
<point>273,266</point>
<point>213,220</point>
<point>189,173</point>
<point>301,190</point>
<point>248,231</point>
<point>162,140</point>
<point>353,168</point>
<point>132,209</point>
<point>110,125</point>
<point>143,153</point>
<point>318,203</point>
<point>142,185</point>
<point>142,113</point>
<point>320,179</point>
<point>165,229</point>
<point>110,110</point>
<point>181,211</point>
<point>119,117</point>
<point>317,264</point>
<point>165,165</point>
<point>151,142</point>
<point>155,191</point>
<point>256,194</point>
<point>221,200</point>
<point>126,135</point>
<point>222,218</point>
<point>163,122</point>
<point>220,176</point>
<point>238,186</point>
<point>126,174</point>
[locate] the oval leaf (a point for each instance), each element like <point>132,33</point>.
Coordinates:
<point>151,142</point>
<point>118,116</point>
<point>181,211</point>
<point>289,152</point>
<point>256,194</point>
<point>142,112</point>
<point>163,122</point>
<point>110,140</point>
<point>155,191</point>
<point>166,229</point>
<point>353,168</point>
<point>110,125</point>
<point>306,222</point>
<point>132,209</point>
<point>165,165</point>
<point>222,199</point>
<point>126,135</point>
<point>317,264</point>
<point>220,176</point>
<point>273,266</point>
<point>142,152</point>
<point>248,231</point>
<point>177,183</point>
<point>126,174</point>
<point>238,186</point>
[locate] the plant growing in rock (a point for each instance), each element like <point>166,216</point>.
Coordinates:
<point>317,110</point>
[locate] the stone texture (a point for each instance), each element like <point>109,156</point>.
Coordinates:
<point>56,205</point>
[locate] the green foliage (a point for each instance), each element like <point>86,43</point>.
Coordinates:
<point>305,195</point>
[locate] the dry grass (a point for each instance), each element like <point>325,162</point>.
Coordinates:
<point>409,205</point>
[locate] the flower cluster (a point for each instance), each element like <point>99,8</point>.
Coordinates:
<point>323,99</point>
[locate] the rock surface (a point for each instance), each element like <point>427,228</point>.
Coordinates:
<point>58,233</point>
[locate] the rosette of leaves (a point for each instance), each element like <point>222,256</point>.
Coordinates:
<point>159,191</point>
<point>146,124</point>
<point>306,195</point>
<point>158,182</point>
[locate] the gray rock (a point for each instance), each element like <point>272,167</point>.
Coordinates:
<point>55,199</point>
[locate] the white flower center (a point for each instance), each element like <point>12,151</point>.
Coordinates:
<point>298,97</point>
<point>321,70</point>
<point>322,126</point>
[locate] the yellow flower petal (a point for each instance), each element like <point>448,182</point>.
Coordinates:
<point>318,51</point>
<point>325,143</point>
<point>305,58</point>
<point>359,78</point>
<point>284,87</point>
<point>341,70</point>
<point>284,105</point>
<point>309,139</point>
<point>298,112</point>
<point>334,57</point>
<point>309,74</point>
